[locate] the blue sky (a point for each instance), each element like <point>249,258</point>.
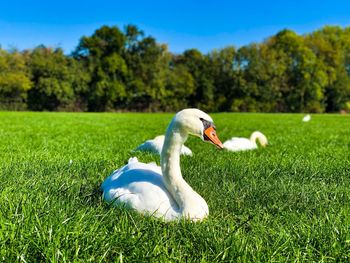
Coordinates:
<point>204,24</point>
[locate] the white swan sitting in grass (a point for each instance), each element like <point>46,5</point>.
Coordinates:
<point>162,191</point>
<point>156,146</point>
<point>307,118</point>
<point>236,144</point>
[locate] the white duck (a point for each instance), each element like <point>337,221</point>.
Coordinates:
<point>162,191</point>
<point>307,118</point>
<point>156,146</point>
<point>236,144</point>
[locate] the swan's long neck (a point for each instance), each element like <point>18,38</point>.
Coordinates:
<point>258,135</point>
<point>170,164</point>
<point>253,137</point>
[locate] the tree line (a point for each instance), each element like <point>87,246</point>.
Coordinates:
<point>126,70</point>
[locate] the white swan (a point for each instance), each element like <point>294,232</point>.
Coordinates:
<point>307,118</point>
<point>161,191</point>
<point>156,146</point>
<point>236,144</point>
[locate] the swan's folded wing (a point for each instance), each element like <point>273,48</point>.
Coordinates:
<point>133,164</point>
<point>154,145</point>
<point>238,144</point>
<point>186,151</point>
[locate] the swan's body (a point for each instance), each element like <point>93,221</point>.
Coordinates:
<point>161,191</point>
<point>236,144</point>
<point>307,118</point>
<point>140,186</point>
<point>156,146</point>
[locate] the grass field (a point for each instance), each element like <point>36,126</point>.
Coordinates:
<point>287,202</point>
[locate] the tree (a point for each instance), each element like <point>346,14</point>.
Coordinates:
<point>331,45</point>
<point>199,67</point>
<point>221,64</point>
<point>305,74</point>
<point>148,62</point>
<point>102,55</point>
<point>180,85</point>
<point>14,80</point>
<point>52,79</point>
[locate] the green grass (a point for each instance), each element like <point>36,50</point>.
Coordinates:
<point>287,202</point>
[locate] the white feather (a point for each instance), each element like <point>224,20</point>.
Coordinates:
<point>156,145</point>
<point>307,118</point>
<point>236,144</point>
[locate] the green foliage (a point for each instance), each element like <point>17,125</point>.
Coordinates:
<point>177,96</point>
<point>55,78</point>
<point>225,77</point>
<point>332,47</point>
<point>102,55</point>
<point>14,80</point>
<point>198,66</point>
<point>117,69</point>
<point>148,62</point>
<point>288,202</point>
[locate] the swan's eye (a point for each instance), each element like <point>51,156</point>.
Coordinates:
<point>207,124</point>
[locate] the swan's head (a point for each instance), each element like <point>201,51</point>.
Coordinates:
<point>197,123</point>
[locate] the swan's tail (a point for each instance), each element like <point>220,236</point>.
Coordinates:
<point>261,138</point>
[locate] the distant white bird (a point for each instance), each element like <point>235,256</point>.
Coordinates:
<point>161,191</point>
<point>307,118</point>
<point>236,144</point>
<point>156,146</point>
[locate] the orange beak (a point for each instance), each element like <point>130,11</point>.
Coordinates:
<point>210,133</point>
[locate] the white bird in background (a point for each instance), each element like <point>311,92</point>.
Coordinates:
<point>162,191</point>
<point>156,146</point>
<point>307,118</point>
<point>236,144</point>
